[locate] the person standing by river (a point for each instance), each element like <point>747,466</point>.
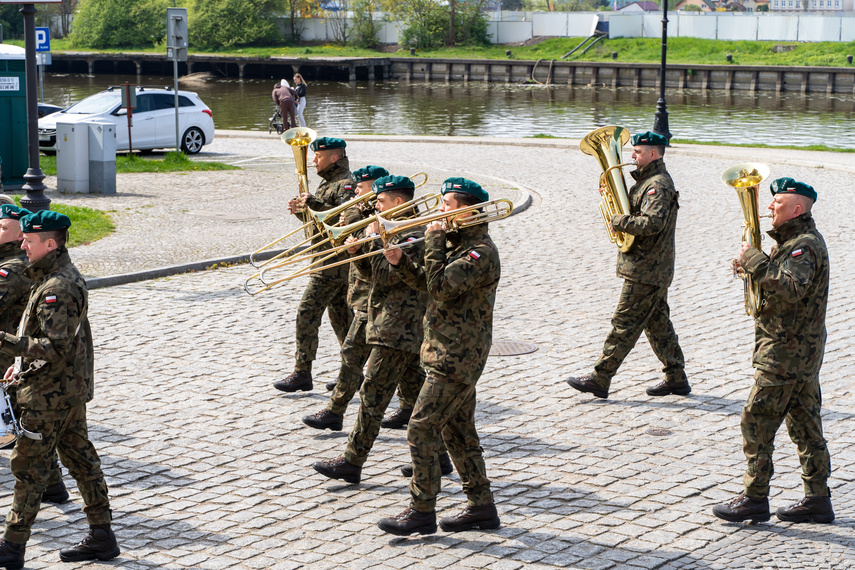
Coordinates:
<point>285,97</point>
<point>300,88</point>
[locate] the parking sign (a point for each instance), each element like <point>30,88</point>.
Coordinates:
<point>42,39</point>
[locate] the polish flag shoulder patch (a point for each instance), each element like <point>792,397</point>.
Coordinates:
<point>651,192</point>
<point>348,186</point>
<point>796,253</point>
<point>3,273</point>
<point>50,299</point>
<point>411,239</point>
<point>474,255</point>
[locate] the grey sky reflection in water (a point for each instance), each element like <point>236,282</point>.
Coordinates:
<point>476,109</point>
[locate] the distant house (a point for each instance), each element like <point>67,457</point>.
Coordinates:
<point>641,6</point>
<point>712,5</point>
<point>816,6</point>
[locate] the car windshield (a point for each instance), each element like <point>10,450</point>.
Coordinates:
<point>98,103</point>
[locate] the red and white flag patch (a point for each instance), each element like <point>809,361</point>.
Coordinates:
<point>50,299</point>
<point>411,239</point>
<point>3,272</point>
<point>796,253</point>
<point>474,255</point>
<point>651,192</point>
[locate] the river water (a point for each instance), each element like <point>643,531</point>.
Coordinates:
<point>476,109</point>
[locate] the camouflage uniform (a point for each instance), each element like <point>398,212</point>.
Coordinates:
<point>647,269</point>
<point>56,382</point>
<point>14,290</point>
<point>394,331</point>
<point>327,289</point>
<point>461,273</point>
<point>789,346</point>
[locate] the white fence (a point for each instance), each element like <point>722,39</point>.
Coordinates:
<point>514,27</point>
<point>736,26</point>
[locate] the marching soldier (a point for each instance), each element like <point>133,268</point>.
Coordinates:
<point>394,331</point>
<point>461,273</point>
<point>326,290</point>
<point>14,291</point>
<point>54,370</point>
<point>354,349</point>
<point>789,344</point>
<point>647,269</point>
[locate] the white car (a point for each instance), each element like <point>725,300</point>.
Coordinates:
<point>153,119</point>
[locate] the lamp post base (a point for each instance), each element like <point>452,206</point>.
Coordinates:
<point>660,120</point>
<point>35,199</point>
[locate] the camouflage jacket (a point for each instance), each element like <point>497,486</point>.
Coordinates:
<point>789,333</point>
<point>54,338</point>
<point>337,188</point>
<point>652,220</point>
<point>461,274</point>
<point>395,310</point>
<point>14,285</point>
<point>358,283</point>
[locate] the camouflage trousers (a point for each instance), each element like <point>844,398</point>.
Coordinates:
<point>354,355</point>
<point>62,431</point>
<point>445,413</point>
<point>55,475</point>
<point>322,293</point>
<point>641,308</point>
<point>772,401</point>
<point>385,368</point>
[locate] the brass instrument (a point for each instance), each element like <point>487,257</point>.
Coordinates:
<point>299,139</point>
<point>605,144</point>
<point>455,219</point>
<point>746,179</point>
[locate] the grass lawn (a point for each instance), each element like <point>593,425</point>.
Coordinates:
<point>171,162</point>
<point>87,225</point>
<point>634,50</point>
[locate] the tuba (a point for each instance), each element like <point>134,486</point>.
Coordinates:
<point>746,179</point>
<point>605,144</point>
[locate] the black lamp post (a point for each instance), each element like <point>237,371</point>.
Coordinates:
<point>35,200</point>
<point>660,119</point>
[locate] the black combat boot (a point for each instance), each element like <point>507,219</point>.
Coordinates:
<point>99,544</point>
<point>12,555</point>
<point>445,466</point>
<point>743,508</point>
<point>324,419</point>
<point>483,516</point>
<point>809,509</point>
<point>295,381</point>
<point>667,387</point>
<point>331,385</point>
<point>586,384</point>
<point>409,522</point>
<point>56,493</point>
<point>397,419</point>
<point>339,469</point>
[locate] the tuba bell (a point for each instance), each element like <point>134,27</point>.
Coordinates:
<point>745,178</point>
<point>605,144</point>
<point>299,139</point>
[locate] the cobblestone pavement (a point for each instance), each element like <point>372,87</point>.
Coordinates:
<point>210,467</point>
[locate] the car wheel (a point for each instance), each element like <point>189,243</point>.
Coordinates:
<point>192,141</point>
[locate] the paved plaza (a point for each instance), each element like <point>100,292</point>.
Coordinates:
<point>210,467</point>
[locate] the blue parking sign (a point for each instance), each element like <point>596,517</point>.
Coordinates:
<point>42,39</point>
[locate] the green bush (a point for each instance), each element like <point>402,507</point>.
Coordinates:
<point>119,23</point>
<point>227,23</point>
<point>428,23</point>
<point>365,29</point>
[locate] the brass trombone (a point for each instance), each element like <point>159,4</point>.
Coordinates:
<point>484,212</point>
<point>317,220</point>
<point>745,178</point>
<point>605,144</point>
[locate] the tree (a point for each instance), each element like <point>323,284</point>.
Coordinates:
<point>338,21</point>
<point>429,26</point>
<point>365,29</point>
<point>296,9</point>
<point>119,23</point>
<point>12,21</point>
<point>227,23</point>
<point>64,10</point>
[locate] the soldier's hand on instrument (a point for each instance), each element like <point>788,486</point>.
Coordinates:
<point>9,372</point>
<point>745,247</point>
<point>372,228</point>
<point>736,268</point>
<point>435,226</point>
<point>352,250</point>
<point>303,199</point>
<point>393,255</point>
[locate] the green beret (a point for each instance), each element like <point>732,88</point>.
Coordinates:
<point>44,221</point>
<point>648,139</point>
<point>12,212</point>
<point>370,172</point>
<point>464,186</point>
<point>327,143</point>
<point>391,183</point>
<point>790,186</point>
